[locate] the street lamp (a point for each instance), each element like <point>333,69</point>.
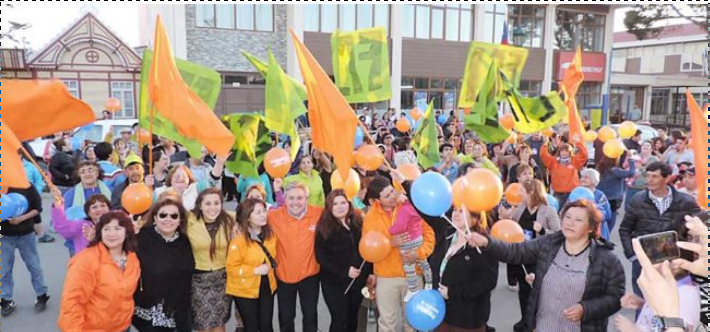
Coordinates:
<point>518,36</point>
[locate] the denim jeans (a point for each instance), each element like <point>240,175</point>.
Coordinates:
<point>27,245</point>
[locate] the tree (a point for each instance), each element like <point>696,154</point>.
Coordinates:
<point>642,20</point>
<point>10,32</point>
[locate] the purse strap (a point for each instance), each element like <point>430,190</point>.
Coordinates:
<point>272,261</point>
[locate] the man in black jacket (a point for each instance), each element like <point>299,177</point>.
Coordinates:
<point>18,233</point>
<point>134,172</point>
<point>659,208</point>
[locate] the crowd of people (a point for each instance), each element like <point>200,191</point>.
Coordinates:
<point>189,263</point>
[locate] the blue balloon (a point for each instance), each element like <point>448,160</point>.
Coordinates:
<point>441,119</point>
<point>76,142</point>
<point>552,201</point>
<point>359,137</point>
<point>581,193</point>
<point>21,204</point>
<point>432,194</point>
<point>426,310</point>
<point>8,207</point>
<point>75,213</point>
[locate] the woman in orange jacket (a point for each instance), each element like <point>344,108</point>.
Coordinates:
<point>250,267</point>
<point>564,167</point>
<point>101,280</point>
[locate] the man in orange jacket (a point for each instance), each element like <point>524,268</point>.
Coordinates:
<point>297,269</point>
<point>391,284</point>
<point>564,168</point>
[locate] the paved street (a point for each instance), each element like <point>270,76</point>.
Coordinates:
<point>54,257</point>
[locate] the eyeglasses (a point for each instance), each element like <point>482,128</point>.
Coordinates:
<point>173,216</point>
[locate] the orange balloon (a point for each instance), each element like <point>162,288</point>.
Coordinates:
<point>374,247</point>
<point>410,171</point>
<point>277,162</point>
<point>606,134</point>
<point>507,121</point>
<point>137,198</point>
<point>483,190</point>
<point>627,129</point>
<point>590,136</point>
<point>513,194</point>
<point>369,157</point>
<point>547,132</point>
<point>144,136</point>
<point>508,231</point>
<point>403,125</point>
<point>351,185</point>
<point>459,190</point>
<point>113,105</point>
<point>416,114</point>
<point>614,148</point>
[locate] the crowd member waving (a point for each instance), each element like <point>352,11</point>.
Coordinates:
<point>578,281</point>
<point>101,280</point>
<point>564,168</point>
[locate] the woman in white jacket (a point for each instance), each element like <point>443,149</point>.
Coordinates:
<point>404,154</point>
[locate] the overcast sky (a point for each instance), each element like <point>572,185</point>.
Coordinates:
<point>48,19</point>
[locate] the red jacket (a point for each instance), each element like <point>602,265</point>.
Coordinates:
<point>564,177</point>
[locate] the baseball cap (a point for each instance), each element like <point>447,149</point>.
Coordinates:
<point>133,159</point>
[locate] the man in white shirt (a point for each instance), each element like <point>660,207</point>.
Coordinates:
<point>368,118</point>
<point>679,153</point>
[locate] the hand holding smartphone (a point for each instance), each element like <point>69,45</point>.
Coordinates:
<point>660,247</point>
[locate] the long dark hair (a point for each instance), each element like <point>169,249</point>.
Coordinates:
<point>130,243</point>
<point>151,215</point>
<point>225,220</point>
<point>244,211</point>
<point>328,223</point>
<point>605,165</point>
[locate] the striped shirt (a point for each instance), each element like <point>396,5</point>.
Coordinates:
<point>562,287</point>
<point>662,203</point>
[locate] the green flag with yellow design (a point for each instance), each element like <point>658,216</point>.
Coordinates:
<point>425,141</point>
<point>483,119</point>
<point>253,141</point>
<point>204,81</point>
<point>263,69</point>
<point>283,105</point>
<point>361,64</point>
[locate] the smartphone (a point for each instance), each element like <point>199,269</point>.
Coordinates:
<point>660,247</point>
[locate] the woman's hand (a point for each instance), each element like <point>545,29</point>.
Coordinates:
<point>477,240</point>
<point>397,240</point>
<point>659,287</point>
<point>631,301</point>
<point>278,184</point>
<point>530,278</point>
<point>574,313</point>
<point>262,270</point>
<point>537,227</point>
<point>624,324</point>
<point>444,291</point>
<point>88,232</point>
<point>354,272</point>
<point>701,265</point>
<point>149,180</point>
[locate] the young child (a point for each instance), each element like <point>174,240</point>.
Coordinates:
<point>409,222</point>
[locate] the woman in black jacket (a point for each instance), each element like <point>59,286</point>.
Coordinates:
<point>467,278</point>
<point>163,295</point>
<point>337,237</point>
<point>61,166</point>
<point>578,281</point>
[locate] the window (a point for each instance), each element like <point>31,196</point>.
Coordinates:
<point>437,21</point>
<point>659,101</point>
<point>123,91</point>
<point>259,17</point>
<point>584,29</point>
<point>589,94</point>
<point>346,17</point>
<point>530,89</point>
<point>73,87</point>
<point>692,57</point>
<point>422,90</point>
<point>526,23</point>
<point>495,16</point>
<point>204,16</point>
<point>225,16</point>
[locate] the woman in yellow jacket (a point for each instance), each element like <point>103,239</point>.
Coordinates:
<point>101,280</point>
<point>311,178</point>
<point>250,267</point>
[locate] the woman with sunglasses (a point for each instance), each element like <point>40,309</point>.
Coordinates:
<point>163,296</point>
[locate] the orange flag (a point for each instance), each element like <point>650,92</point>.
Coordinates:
<point>11,169</point>
<point>174,100</point>
<point>41,108</point>
<point>333,122</point>
<point>571,81</point>
<point>699,128</point>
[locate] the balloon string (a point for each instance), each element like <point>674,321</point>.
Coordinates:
<point>459,230</point>
<point>353,281</point>
<point>524,269</point>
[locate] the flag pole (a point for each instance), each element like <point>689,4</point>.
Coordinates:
<point>41,172</point>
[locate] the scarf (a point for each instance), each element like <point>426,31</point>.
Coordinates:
<point>564,161</point>
<point>79,198</point>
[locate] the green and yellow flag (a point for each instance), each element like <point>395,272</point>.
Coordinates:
<point>253,141</point>
<point>425,141</point>
<point>263,69</point>
<point>534,114</point>
<point>510,60</point>
<point>361,64</point>
<point>483,119</point>
<point>283,104</point>
<point>205,82</point>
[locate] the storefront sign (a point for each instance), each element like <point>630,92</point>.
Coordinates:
<point>593,65</point>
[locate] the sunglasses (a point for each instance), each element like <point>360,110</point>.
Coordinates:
<point>173,216</point>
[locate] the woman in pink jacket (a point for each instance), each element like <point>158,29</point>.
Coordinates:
<point>80,232</point>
